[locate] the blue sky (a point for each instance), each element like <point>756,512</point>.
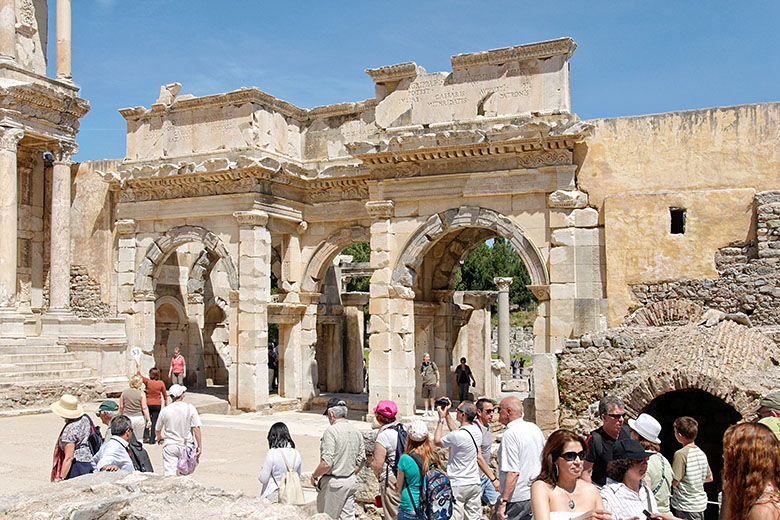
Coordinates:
<point>632,57</point>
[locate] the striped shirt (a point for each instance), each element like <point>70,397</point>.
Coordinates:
<point>690,469</point>
<point>623,502</point>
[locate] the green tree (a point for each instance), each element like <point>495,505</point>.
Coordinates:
<point>485,263</point>
<point>361,252</point>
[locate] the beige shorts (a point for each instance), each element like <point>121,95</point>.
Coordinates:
<point>429,391</point>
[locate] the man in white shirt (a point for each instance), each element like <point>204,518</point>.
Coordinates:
<point>178,426</point>
<point>114,454</point>
<point>519,461</point>
<point>490,488</point>
<point>465,459</point>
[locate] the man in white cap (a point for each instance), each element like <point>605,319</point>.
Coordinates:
<point>659,470</point>
<point>177,427</point>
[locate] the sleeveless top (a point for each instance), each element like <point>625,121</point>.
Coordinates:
<point>565,515</point>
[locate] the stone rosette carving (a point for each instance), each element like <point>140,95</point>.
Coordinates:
<point>542,292</point>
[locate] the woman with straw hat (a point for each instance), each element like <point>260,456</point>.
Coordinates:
<point>72,456</point>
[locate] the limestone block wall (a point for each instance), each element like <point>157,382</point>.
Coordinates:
<point>640,247</point>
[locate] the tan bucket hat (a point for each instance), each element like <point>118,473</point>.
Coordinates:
<point>68,407</point>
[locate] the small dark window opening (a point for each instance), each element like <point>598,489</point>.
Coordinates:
<point>678,221</point>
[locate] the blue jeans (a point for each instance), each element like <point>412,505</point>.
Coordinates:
<point>489,493</point>
<point>405,514</point>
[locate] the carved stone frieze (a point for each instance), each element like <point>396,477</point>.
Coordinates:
<point>548,158</point>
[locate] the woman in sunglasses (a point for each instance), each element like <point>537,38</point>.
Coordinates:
<point>559,493</point>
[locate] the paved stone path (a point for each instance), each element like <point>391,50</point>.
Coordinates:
<point>234,448</point>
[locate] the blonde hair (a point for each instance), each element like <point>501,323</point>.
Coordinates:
<point>136,381</point>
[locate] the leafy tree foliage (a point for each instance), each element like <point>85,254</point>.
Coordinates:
<point>485,263</point>
<point>361,252</point>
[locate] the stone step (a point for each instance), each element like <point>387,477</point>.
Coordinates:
<point>40,366</point>
<point>32,349</point>
<point>41,375</point>
<point>35,358</point>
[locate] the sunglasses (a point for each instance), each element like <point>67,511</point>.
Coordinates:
<point>569,456</point>
<point>617,415</point>
<point>489,411</point>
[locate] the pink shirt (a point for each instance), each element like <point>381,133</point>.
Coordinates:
<point>177,364</point>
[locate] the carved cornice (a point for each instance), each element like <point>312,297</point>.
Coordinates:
<point>10,137</point>
<point>251,218</point>
<point>380,208</point>
<point>41,102</point>
<point>535,142</point>
<point>538,50</point>
<point>393,73</point>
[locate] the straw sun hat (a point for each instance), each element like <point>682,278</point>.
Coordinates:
<point>68,407</point>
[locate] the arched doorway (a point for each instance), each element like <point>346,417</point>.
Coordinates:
<point>713,415</point>
<point>170,332</point>
<point>215,339</point>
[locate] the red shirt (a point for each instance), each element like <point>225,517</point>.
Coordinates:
<point>155,391</point>
<point>177,364</point>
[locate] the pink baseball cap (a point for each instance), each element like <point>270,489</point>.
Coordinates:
<point>386,409</point>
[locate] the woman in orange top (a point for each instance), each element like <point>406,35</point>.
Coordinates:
<point>155,394</point>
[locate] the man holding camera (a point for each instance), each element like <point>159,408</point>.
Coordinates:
<point>465,459</point>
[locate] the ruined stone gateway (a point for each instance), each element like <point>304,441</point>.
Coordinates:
<point>222,200</point>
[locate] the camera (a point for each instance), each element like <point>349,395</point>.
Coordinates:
<point>442,402</point>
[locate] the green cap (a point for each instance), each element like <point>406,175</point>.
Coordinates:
<point>771,400</point>
<point>108,406</point>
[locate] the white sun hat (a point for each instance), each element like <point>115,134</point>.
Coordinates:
<point>647,427</point>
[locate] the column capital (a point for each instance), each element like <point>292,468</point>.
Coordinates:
<point>502,283</point>
<point>62,151</point>
<point>251,218</point>
<point>10,137</point>
<point>126,226</point>
<point>380,208</point>
<point>303,226</point>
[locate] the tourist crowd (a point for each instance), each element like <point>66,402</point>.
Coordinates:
<point>616,473</point>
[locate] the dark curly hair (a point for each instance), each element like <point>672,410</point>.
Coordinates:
<point>553,449</point>
<point>616,468</point>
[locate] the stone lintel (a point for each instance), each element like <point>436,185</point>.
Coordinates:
<point>529,51</point>
<point>393,73</point>
<point>354,299</point>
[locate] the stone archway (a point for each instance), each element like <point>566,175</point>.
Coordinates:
<point>327,251</point>
<point>167,242</point>
<point>420,242</point>
<point>714,416</point>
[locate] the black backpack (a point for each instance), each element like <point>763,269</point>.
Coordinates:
<point>139,456</point>
<point>94,439</point>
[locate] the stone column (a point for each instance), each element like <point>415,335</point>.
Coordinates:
<point>8,30</point>
<point>59,263</point>
<point>254,294</point>
<point>63,39</point>
<point>9,138</point>
<point>195,352</point>
<point>503,283</point>
<point>353,340</point>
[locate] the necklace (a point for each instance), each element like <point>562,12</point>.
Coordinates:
<point>571,500</point>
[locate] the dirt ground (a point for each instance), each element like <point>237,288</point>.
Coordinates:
<point>234,447</point>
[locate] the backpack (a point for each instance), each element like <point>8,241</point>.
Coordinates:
<point>290,487</point>
<point>435,493</point>
<point>400,448</point>
<point>94,439</point>
<point>139,456</point>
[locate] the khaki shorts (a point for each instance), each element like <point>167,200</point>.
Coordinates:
<point>429,391</point>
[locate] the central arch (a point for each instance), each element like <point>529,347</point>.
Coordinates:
<point>440,224</point>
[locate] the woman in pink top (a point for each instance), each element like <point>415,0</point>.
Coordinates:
<point>178,370</point>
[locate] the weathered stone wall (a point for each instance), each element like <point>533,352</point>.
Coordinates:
<point>86,299</point>
<point>41,395</point>
<point>748,279</point>
<point>521,340</point>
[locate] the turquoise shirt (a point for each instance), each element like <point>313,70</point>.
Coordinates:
<point>413,479</point>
